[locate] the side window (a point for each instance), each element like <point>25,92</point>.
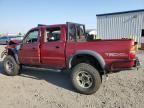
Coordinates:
<point>80,33</point>
<point>52,34</point>
<point>72,32</point>
<point>76,32</point>
<point>31,37</point>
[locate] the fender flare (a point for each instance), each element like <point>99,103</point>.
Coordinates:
<point>15,54</point>
<point>95,54</point>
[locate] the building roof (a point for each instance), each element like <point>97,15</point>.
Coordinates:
<point>115,13</point>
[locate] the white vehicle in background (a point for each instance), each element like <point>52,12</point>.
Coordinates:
<point>16,38</point>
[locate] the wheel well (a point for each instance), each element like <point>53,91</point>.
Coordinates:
<point>11,53</point>
<point>86,58</point>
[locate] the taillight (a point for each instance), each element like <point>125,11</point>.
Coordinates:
<point>132,53</point>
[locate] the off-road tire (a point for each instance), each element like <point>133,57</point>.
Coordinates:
<point>16,67</point>
<point>92,71</point>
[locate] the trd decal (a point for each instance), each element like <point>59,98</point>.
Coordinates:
<point>116,54</point>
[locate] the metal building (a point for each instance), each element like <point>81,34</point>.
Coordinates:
<point>128,24</point>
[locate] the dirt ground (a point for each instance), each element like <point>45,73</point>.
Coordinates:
<point>48,89</point>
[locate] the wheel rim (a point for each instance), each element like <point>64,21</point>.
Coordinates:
<point>84,79</point>
<point>9,66</point>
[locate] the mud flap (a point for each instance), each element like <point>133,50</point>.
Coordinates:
<point>137,63</point>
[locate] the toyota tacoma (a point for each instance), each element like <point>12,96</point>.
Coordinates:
<point>68,47</point>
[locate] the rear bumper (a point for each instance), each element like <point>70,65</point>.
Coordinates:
<point>125,65</point>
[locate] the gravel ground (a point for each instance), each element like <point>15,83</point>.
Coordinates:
<point>47,89</point>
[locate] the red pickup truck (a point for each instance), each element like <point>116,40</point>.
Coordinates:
<point>67,47</point>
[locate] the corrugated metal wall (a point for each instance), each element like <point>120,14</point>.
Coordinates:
<point>117,26</point>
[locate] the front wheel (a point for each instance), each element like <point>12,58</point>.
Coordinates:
<point>85,78</point>
<point>11,68</point>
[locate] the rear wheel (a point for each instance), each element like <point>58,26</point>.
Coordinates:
<point>85,78</point>
<point>10,66</point>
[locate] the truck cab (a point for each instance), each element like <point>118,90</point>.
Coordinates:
<point>49,45</point>
<point>44,45</point>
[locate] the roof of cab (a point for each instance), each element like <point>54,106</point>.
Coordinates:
<point>42,25</point>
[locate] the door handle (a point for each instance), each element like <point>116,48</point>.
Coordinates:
<point>57,47</point>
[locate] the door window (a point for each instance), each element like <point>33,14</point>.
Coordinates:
<point>52,34</point>
<point>72,32</point>
<point>76,32</point>
<point>80,33</point>
<point>31,37</point>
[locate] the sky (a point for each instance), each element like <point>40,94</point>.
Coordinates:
<point>22,15</point>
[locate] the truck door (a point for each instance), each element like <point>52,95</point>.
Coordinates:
<point>29,50</point>
<point>53,47</point>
